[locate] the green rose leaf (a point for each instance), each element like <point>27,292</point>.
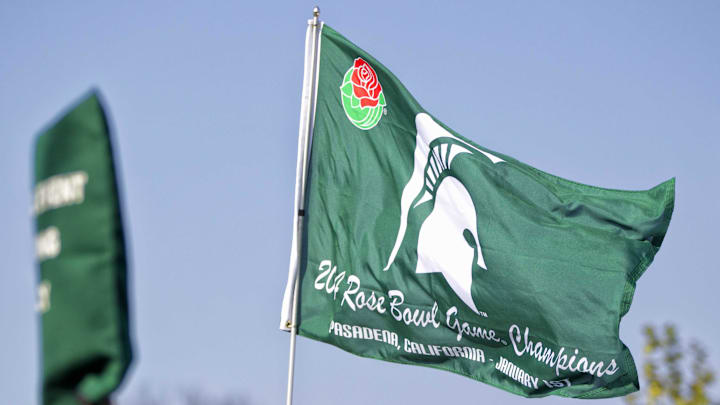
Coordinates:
<point>348,76</point>
<point>347,89</point>
<point>354,101</point>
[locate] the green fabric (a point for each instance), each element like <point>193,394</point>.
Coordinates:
<point>559,259</point>
<point>81,253</point>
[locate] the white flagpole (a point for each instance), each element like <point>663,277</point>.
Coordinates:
<point>307,114</point>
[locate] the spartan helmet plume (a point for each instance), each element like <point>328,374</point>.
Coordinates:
<point>448,241</point>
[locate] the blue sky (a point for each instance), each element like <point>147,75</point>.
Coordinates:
<point>614,94</point>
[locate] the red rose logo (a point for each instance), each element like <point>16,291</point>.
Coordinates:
<point>365,84</point>
<point>362,96</point>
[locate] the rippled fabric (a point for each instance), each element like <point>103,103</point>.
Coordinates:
<point>80,248</point>
<point>422,247</point>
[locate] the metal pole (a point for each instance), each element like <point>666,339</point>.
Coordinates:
<point>300,201</point>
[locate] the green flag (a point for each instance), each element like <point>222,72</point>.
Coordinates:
<point>82,296</point>
<point>422,247</point>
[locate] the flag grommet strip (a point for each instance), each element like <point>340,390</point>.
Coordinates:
<point>307,120</point>
<point>289,310</point>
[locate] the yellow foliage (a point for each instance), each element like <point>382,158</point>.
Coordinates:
<point>665,374</point>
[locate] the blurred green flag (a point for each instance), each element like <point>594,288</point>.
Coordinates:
<point>80,249</point>
<point>422,247</point>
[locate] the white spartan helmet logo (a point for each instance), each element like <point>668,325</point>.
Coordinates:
<point>448,240</point>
